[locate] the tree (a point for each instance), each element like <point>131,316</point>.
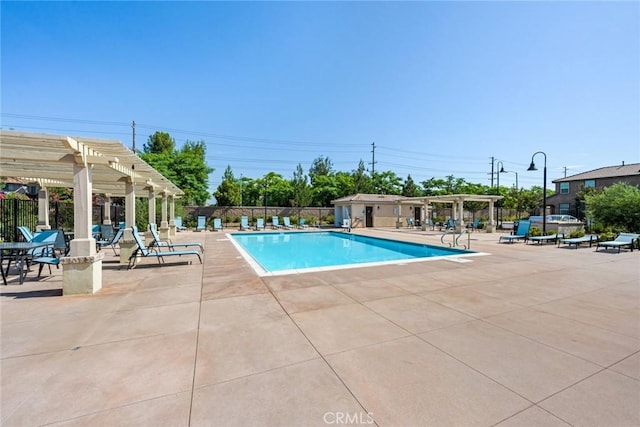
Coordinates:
<point>228,192</point>
<point>617,206</point>
<point>160,142</point>
<point>410,189</point>
<point>387,182</point>
<point>186,167</point>
<point>301,189</point>
<point>361,180</point>
<point>321,166</point>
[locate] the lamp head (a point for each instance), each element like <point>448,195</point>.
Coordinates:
<point>502,170</point>
<point>532,167</point>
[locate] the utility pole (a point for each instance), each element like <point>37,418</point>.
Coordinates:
<point>373,159</point>
<point>133,126</point>
<point>565,171</point>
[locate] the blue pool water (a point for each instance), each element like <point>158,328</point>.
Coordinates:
<point>277,252</point>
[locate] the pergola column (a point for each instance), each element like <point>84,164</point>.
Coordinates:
<point>399,215</point>
<point>164,224</point>
<point>491,226</point>
<point>152,213</point>
<point>43,209</point>
<point>82,270</point>
<point>127,244</point>
<point>460,207</point>
<point>172,216</point>
<point>107,210</point>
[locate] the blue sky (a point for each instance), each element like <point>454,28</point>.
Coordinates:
<point>441,87</point>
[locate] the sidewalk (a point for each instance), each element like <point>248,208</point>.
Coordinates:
<point>529,335</point>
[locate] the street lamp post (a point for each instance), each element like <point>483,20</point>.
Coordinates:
<point>517,188</point>
<point>501,166</point>
<point>532,167</point>
<point>266,185</point>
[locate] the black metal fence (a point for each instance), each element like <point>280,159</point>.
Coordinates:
<point>15,212</point>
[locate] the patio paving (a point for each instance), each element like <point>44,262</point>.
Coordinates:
<point>528,335</point>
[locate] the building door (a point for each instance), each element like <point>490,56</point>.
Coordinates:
<point>369,216</point>
<point>416,215</point>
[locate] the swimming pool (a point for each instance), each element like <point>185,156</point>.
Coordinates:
<point>296,252</point>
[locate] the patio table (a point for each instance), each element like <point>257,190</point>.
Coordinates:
<point>19,252</point>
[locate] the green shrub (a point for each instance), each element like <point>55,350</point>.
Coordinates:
<point>535,231</point>
<point>607,236</point>
<point>576,233</point>
<point>329,219</point>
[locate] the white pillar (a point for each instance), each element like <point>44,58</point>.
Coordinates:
<point>107,210</point>
<point>172,216</point>
<point>164,224</point>
<point>127,243</point>
<point>43,209</point>
<point>152,213</point>
<point>460,214</point>
<point>491,226</point>
<point>82,270</point>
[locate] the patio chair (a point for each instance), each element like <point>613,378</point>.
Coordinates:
<point>548,238</point>
<point>474,225</point>
<point>178,222</point>
<point>27,235</point>
<point>158,243</point>
<point>96,230</point>
<point>110,242</point>
<point>577,241</point>
<point>47,255</point>
<point>302,223</point>
<point>410,222</point>
<point>202,223</point>
<point>143,252</point>
<point>623,239</point>
<point>244,223</point>
<point>260,223</point>
<point>275,224</point>
<point>217,224</point>
<point>346,224</point>
<point>287,223</point>
<point>521,233</point>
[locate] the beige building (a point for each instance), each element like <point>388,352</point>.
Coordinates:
<point>381,210</point>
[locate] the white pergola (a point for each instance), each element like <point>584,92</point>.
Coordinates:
<point>457,200</point>
<point>89,166</point>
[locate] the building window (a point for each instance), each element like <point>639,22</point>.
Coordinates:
<point>590,183</point>
<point>564,208</point>
<point>564,188</point>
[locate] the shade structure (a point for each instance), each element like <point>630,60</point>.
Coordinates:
<point>48,160</point>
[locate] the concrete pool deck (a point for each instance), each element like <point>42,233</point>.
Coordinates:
<point>531,335</point>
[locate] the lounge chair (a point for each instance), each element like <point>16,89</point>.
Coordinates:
<point>623,239</point>
<point>217,224</point>
<point>158,243</point>
<point>548,238</point>
<point>111,242</point>
<point>144,252</point>
<point>287,223</point>
<point>178,222</point>
<point>260,223</point>
<point>275,224</point>
<point>522,233</point>
<point>589,238</point>
<point>244,223</point>
<point>202,223</point>
<point>302,223</point>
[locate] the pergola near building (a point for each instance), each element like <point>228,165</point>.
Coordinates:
<point>90,166</point>
<point>457,202</point>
